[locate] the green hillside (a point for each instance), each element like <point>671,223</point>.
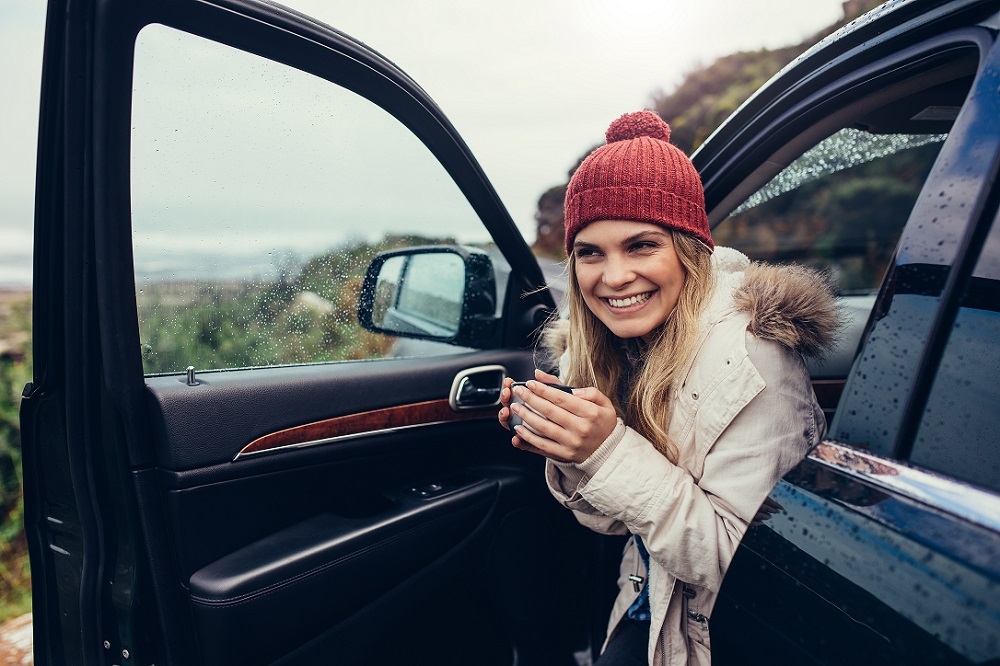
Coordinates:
<point>703,100</point>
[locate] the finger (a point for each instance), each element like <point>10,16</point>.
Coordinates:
<point>543,376</point>
<point>548,394</point>
<point>505,396</point>
<point>535,443</point>
<point>565,409</point>
<point>504,417</point>
<point>541,400</point>
<point>524,446</point>
<point>505,391</point>
<point>591,394</point>
<point>535,422</point>
<point>771,506</point>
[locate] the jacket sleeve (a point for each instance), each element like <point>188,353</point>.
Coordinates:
<point>564,480</point>
<point>692,528</point>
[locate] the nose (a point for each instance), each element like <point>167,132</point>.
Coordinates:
<point>617,272</point>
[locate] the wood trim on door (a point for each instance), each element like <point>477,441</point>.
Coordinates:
<point>349,426</point>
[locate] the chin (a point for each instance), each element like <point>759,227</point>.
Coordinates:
<point>628,332</point>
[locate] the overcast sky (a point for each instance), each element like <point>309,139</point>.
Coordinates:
<point>530,84</point>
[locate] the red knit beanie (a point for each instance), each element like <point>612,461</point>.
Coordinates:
<point>638,175</point>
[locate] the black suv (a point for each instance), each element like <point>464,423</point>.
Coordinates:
<point>222,466</point>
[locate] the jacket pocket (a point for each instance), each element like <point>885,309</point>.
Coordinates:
<point>696,628</point>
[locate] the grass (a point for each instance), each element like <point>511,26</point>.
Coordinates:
<point>15,371</point>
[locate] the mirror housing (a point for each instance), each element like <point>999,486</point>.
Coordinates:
<point>444,293</point>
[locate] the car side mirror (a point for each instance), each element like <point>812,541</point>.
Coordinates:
<point>441,293</point>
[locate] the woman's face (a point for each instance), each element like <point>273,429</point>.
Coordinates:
<point>629,274</point>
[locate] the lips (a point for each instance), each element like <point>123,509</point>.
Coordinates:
<point>630,301</point>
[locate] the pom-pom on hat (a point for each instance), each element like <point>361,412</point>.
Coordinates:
<point>640,176</point>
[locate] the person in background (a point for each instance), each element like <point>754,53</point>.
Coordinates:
<point>691,396</point>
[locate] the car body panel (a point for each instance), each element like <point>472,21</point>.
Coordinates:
<point>860,565</point>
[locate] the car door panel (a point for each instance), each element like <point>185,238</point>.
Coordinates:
<point>291,542</point>
<point>368,521</point>
<point>270,491</point>
<point>303,579</point>
<point>240,407</point>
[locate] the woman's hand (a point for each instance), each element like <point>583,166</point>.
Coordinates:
<point>766,510</point>
<point>506,395</point>
<point>567,427</point>
<point>505,398</point>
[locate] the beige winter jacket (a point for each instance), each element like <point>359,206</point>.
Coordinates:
<point>744,415</point>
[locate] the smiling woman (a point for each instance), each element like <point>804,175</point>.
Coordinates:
<point>692,399</point>
<point>629,273</point>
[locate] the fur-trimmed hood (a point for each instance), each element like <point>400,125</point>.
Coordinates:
<point>790,304</point>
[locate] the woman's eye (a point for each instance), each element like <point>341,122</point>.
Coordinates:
<point>642,245</point>
<point>585,252</point>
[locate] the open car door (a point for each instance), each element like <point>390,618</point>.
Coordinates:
<point>221,465</point>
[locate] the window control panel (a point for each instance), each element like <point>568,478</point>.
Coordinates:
<point>426,490</point>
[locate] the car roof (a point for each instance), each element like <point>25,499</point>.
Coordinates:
<point>879,33</point>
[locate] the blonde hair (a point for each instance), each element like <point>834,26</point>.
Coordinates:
<point>597,357</point>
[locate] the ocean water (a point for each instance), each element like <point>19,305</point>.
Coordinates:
<point>16,267</point>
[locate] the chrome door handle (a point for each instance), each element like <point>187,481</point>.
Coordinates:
<point>477,388</point>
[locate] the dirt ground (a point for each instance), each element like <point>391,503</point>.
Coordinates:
<point>15,642</point>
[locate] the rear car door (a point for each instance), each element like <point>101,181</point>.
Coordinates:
<point>875,156</point>
<point>221,465</point>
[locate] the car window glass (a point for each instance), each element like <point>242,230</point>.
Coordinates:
<point>839,207</point>
<point>872,412</point>
<point>259,195</point>
<point>957,433</point>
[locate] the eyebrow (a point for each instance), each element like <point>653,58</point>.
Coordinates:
<point>644,234</point>
<point>625,241</point>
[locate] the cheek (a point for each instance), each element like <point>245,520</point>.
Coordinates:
<point>676,287</point>
<point>585,279</point>
<point>585,283</point>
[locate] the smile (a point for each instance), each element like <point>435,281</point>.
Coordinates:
<point>626,302</point>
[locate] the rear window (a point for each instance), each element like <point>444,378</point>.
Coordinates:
<point>839,207</point>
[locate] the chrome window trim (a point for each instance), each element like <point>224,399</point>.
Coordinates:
<point>961,499</point>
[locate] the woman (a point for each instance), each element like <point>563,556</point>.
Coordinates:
<point>694,399</point>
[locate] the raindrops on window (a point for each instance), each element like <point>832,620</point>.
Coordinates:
<point>260,194</point>
<point>840,207</point>
<point>957,433</point>
<point>843,150</point>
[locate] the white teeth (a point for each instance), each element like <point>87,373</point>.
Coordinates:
<point>625,302</point>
